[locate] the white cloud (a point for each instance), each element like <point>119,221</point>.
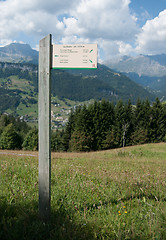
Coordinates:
<point>125,48</point>
<point>50,6</point>
<point>32,16</point>
<point>110,48</point>
<point>71,27</point>
<point>152,38</point>
<point>108,20</point>
<point>74,40</point>
<point>74,20</point>
<point>110,23</point>
<point>116,49</point>
<point>4,42</point>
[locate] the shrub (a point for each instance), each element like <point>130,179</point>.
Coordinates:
<point>10,139</point>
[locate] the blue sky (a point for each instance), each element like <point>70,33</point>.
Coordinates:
<point>119,27</point>
<point>153,7</point>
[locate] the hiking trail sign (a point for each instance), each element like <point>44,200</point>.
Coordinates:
<point>54,56</point>
<point>74,56</point>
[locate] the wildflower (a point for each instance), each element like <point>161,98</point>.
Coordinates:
<point>124,207</point>
<point>125,211</point>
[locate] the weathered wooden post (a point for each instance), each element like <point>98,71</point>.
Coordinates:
<point>44,118</point>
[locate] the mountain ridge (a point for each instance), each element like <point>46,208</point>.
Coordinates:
<point>147,65</point>
<point>17,52</point>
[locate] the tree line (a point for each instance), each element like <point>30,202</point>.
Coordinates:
<point>103,125</point>
<point>98,126</point>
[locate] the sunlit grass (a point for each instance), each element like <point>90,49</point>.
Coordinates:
<point>114,194</point>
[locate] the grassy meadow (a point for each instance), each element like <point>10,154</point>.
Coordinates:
<point>113,194</point>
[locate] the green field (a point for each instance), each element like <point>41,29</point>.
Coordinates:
<point>114,194</point>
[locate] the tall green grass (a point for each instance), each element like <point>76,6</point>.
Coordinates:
<point>115,194</point>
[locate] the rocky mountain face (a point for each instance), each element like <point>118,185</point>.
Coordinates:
<point>17,53</point>
<point>148,71</point>
<point>152,66</point>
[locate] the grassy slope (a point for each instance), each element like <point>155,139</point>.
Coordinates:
<point>114,194</point>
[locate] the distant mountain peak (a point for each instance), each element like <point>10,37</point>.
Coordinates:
<point>17,47</point>
<point>18,52</point>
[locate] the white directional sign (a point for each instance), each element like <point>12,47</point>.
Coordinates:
<point>74,56</point>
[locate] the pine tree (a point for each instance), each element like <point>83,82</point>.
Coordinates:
<point>128,123</point>
<point>142,112</point>
<point>68,130</point>
<point>120,123</point>
<point>107,121</point>
<point>157,121</point>
<point>139,136</point>
<point>31,140</point>
<point>57,143</point>
<point>80,142</point>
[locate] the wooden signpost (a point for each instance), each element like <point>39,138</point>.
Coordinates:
<point>54,56</point>
<point>44,121</point>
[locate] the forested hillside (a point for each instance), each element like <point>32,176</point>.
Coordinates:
<point>157,85</point>
<point>19,86</point>
<point>8,99</point>
<point>121,86</point>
